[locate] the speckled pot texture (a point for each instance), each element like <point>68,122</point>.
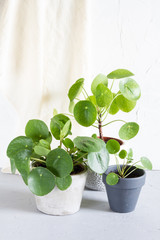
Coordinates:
<point>66,202</point>
<point>94,180</point>
<point>123,196</point>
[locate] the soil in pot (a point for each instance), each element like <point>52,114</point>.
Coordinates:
<point>124,195</point>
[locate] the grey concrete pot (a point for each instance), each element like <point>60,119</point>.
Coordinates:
<point>124,195</point>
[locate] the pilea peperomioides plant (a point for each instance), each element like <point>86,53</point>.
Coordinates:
<point>128,168</point>
<point>42,168</point>
<point>94,109</point>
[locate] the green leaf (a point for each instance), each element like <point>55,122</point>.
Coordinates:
<point>57,124</point>
<point>88,144</point>
<point>22,162</point>
<point>63,183</point>
<point>114,107</point>
<point>112,179</point>
<point>100,78</point>
<point>55,112</point>
<point>85,113</point>
<point>130,155</point>
<point>130,89</point>
<point>49,138</point>
<point>122,154</point>
<point>120,73</point>
<point>13,166</point>
<point>36,129</point>
<point>124,104</point>
<point>41,181</point>
<point>98,161</point>
<point>65,130</point>
<point>59,162</point>
<point>75,89</point>
<point>113,146</point>
<point>128,130</point>
<point>92,99</point>
<point>41,151</point>
<point>146,163</point>
<point>103,95</point>
<point>68,143</point>
<point>71,106</point>
<point>44,143</point>
<point>18,144</point>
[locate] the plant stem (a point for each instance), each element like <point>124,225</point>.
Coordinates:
<point>37,160</point>
<point>80,157</point>
<point>130,167</point>
<point>100,126</point>
<point>119,120</point>
<point>94,126</point>
<point>129,173</point>
<point>85,92</point>
<point>112,84</point>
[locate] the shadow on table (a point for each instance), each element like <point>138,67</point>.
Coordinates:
<point>97,205</point>
<point>13,200</point>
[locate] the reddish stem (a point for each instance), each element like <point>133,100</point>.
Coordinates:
<point>100,127</point>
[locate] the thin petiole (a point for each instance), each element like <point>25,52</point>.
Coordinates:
<point>119,120</point>
<point>37,160</point>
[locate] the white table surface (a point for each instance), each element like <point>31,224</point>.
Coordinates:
<point>20,220</point>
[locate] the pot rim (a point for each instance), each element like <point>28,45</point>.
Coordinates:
<point>126,179</point>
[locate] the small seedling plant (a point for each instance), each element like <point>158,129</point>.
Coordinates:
<point>42,168</point>
<point>128,167</point>
<point>94,109</point>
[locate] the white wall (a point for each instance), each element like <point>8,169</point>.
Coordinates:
<point>126,34</point>
<point>122,34</point>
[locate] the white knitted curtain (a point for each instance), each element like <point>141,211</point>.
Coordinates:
<point>42,52</point>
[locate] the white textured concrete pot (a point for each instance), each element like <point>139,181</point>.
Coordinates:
<point>66,202</point>
<point>94,181</point>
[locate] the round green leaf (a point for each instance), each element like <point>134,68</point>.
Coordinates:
<point>36,129</point>
<point>44,143</point>
<point>65,130</point>
<point>98,161</point>
<point>18,144</point>
<point>57,124</point>
<point>103,95</point>
<point>92,99</point>
<point>13,165</point>
<point>128,130</point>
<point>120,73</point>
<point>100,78</point>
<point>124,104</point>
<point>85,113</point>
<point>113,146</point>
<point>59,162</point>
<point>114,107</point>
<point>146,163</point>
<point>41,150</point>
<point>112,179</point>
<point>22,162</point>
<point>75,89</point>
<point>68,143</point>
<point>122,154</point>
<point>130,89</point>
<point>49,138</point>
<point>130,155</point>
<point>88,144</point>
<point>71,106</point>
<point>63,183</point>
<point>41,181</point>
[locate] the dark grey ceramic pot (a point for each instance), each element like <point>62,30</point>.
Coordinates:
<point>124,195</point>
